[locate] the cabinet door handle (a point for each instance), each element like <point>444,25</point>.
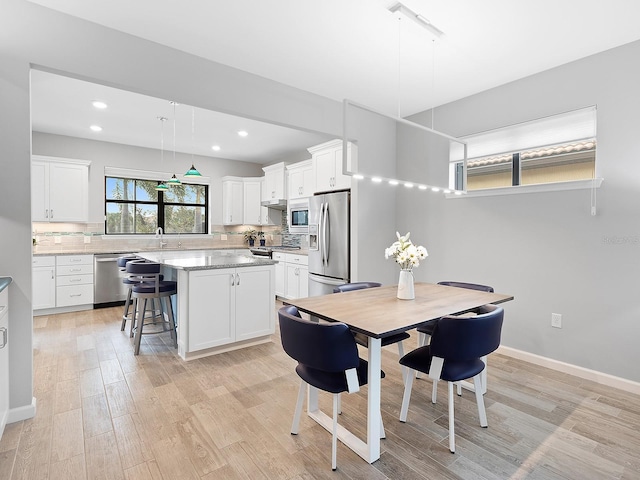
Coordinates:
<point>76,295</point>
<point>75,280</point>
<point>46,213</point>
<point>52,213</point>
<point>237,279</point>
<point>233,278</point>
<point>4,337</point>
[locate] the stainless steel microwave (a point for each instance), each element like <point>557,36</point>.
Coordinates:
<point>298,217</point>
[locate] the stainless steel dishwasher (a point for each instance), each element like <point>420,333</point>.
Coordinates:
<point>108,289</point>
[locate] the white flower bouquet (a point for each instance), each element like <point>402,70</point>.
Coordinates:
<point>406,254</point>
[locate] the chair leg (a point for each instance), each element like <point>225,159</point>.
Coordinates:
<point>459,389</point>
<point>134,315</point>
<point>482,413</point>
<point>452,434</point>
<point>422,341</point>
<point>172,322</point>
<point>483,375</point>
<point>295,426</point>
<point>400,355</point>
<point>339,404</point>
<point>406,397</point>
<point>334,433</point>
<point>138,338</point>
<point>125,315</point>
<point>434,391</point>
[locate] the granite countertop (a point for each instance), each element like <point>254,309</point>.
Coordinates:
<point>40,251</point>
<point>203,259</point>
<point>4,282</point>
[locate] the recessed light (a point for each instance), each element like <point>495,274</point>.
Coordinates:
<point>422,187</point>
<point>358,176</point>
<point>376,179</point>
<point>446,190</point>
<point>99,104</point>
<point>408,185</point>
<point>435,189</point>
<point>243,133</point>
<point>96,128</point>
<point>393,182</point>
<point>215,148</point>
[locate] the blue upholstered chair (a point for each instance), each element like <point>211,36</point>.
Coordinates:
<point>149,286</point>
<point>363,339</point>
<point>327,358</point>
<point>426,329</point>
<point>454,354</point>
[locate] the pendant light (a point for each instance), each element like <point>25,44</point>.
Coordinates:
<point>162,186</point>
<point>174,180</point>
<point>192,172</point>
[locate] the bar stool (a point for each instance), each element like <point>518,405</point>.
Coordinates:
<point>150,287</point>
<point>122,265</point>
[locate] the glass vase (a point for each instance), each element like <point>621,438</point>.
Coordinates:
<point>405,285</point>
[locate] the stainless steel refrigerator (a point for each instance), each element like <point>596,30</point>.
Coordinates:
<point>329,242</point>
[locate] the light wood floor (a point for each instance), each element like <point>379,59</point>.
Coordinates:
<point>105,414</point>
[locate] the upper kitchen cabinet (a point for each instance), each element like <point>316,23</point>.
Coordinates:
<point>232,200</point>
<point>327,166</point>
<point>269,216</point>
<point>274,192</point>
<point>300,180</point>
<point>252,210</point>
<point>59,190</point>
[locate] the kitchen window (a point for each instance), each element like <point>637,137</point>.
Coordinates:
<point>134,206</point>
<point>552,150</point>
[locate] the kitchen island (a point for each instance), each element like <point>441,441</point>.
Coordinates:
<point>225,300</point>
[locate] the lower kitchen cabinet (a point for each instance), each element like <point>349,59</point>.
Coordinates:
<point>220,307</point>
<point>296,276</point>
<point>44,282</point>
<point>280,272</point>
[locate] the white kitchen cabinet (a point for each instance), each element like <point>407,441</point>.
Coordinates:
<point>59,190</point>
<point>74,280</point>
<point>300,180</point>
<point>327,166</point>
<point>251,197</point>
<point>269,216</point>
<point>296,276</point>
<point>275,182</point>
<point>226,305</point>
<point>232,200</point>
<point>280,273</point>
<point>43,282</point>
<point>4,358</point>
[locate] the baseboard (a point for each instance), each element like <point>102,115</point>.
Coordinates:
<point>22,413</point>
<point>581,372</point>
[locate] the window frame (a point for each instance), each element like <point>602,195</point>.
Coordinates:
<point>160,204</point>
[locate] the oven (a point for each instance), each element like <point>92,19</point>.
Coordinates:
<point>298,217</point>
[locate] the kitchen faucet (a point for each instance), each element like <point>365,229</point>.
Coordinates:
<point>159,235</point>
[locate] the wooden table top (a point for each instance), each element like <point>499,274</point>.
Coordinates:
<point>378,313</point>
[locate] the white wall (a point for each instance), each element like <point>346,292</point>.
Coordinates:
<point>31,35</point>
<point>546,248</point>
<point>105,154</point>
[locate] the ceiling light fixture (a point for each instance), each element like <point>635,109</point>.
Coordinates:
<point>243,133</point>
<point>100,105</point>
<point>96,128</point>
<point>216,148</point>
<point>193,172</point>
<point>416,17</point>
<point>161,185</point>
<point>174,180</point>
<point>393,182</point>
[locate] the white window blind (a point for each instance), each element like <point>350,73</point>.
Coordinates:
<point>553,130</point>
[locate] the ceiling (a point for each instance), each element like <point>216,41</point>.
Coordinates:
<point>353,49</point>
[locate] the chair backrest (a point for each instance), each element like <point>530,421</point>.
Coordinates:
<point>324,346</point>
<point>461,339</point>
<point>470,286</point>
<point>348,287</point>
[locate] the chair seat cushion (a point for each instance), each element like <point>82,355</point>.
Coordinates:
<point>452,370</point>
<point>333,382</point>
<point>363,340</point>
<point>150,287</point>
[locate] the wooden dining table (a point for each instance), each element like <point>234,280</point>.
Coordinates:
<point>378,313</point>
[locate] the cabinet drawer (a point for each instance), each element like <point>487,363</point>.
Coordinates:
<point>69,295</point>
<point>297,259</point>
<point>62,260</point>
<point>43,261</point>
<point>281,257</point>
<point>74,280</point>
<point>74,269</point>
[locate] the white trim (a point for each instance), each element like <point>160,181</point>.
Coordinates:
<point>537,188</point>
<point>151,175</point>
<point>580,372</point>
<point>43,158</point>
<point>22,413</point>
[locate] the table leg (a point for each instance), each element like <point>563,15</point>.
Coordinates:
<point>373,401</point>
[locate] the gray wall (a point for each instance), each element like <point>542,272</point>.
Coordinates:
<point>546,248</point>
<point>105,154</point>
<point>31,35</point>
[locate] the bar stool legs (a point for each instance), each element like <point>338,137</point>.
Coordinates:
<point>155,317</point>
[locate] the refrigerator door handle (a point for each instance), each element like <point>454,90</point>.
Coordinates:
<point>325,239</point>
<point>326,280</point>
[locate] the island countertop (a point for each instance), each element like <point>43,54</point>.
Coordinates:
<point>203,259</point>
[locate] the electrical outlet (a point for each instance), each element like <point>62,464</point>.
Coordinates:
<point>87,239</point>
<point>556,320</point>
<point>223,237</point>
